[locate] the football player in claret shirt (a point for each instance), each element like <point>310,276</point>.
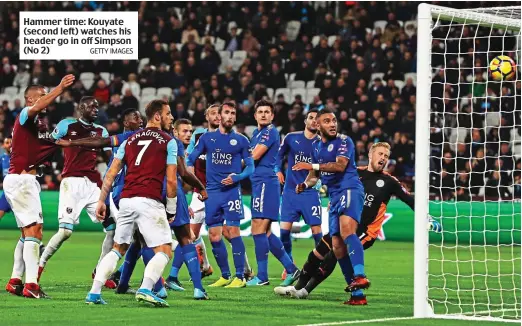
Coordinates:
<point>334,162</point>
<point>150,155</point>
<point>31,147</point>
<point>80,186</point>
<point>132,122</point>
<point>266,196</point>
<point>298,147</point>
<point>379,186</point>
<point>225,151</point>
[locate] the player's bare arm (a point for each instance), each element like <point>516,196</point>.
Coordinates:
<point>338,166</point>
<point>259,151</point>
<point>191,179</point>
<point>311,180</point>
<point>91,142</point>
<point>46,100</point>
<point>107,186</point>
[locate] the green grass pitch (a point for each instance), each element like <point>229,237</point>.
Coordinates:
<point>67,280</point>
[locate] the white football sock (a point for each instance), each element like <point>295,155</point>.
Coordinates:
<point>201,243</point>
<point>18,264</point>
<point>154,270</point>
<point>54,244</point>
<point>107,245</point>
<point>105,268</point>
<point>31,252</point>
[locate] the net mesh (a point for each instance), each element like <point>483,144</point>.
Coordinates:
<point>475,263</point>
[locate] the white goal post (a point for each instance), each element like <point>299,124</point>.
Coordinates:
<point>472,270</point>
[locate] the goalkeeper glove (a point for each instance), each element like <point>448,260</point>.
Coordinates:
<point>434,225</point>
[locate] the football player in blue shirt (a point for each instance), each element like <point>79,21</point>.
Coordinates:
<point>6,158</point>
<point>266,196</point>
<point>225,151</point>
<point>334,162</point>
<point>297,147</point>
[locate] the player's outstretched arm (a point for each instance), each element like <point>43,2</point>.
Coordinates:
<point>403,194</point>
<point>196,152</point>
<point>91,142</point>
<point>46,100</point>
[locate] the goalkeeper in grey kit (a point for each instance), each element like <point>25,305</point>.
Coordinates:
<point>379,186</point>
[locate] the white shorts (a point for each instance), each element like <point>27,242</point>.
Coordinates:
<point>113,209</point>
<point>198,207</point>
<point>196,204</point>
<point>150,217</point>
<point>22,192</point>
<point>199,217</point>
<point>77,193</point>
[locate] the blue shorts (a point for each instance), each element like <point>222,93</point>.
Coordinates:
<point>266,199</point>
<point>306,204</point>
<point>4,205</point>
<point>182,212</point>
<point>224,205</point>
<point>347,202</point>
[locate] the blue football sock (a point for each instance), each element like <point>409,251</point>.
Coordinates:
<point>262,249</point>
<point>356,250</point>
<point>220,252</point>
<point>286,239</point>
<point>190,256</point>
<point>120,269</point>
<point>358,293</point>
<point>147,254</point>
<point>131,257</point>
<point>238,252</point>
<point>317,237</point>
<point>346,268</point>
<point>278,250</point>
<point>177,262</point>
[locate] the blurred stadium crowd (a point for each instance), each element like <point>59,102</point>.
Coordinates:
<point>356,58</point>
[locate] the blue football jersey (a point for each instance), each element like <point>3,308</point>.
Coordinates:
<point>326,152</point>
<point>6,159</point>
<point>297,148</point>
<point>224,153</point>
<point>119,180</point>
<point>266,165</point>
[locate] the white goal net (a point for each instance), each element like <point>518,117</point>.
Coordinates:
<point>468,165</point>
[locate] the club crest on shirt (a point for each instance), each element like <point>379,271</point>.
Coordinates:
<point>233,142</point>
<point>330,147</point>
<point>380,183</point>
<point>69,210</point>
<point>93,134</point>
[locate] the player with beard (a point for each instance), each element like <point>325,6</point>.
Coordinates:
<point>32,145</point>
<point>298,147</point>
<point>150,155</point>
<point>225,152</point>
<point>334,162</point>
<point>379,186</point>
<point>80,186</point>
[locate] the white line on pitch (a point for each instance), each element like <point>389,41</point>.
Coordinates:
<point>346,322</point>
